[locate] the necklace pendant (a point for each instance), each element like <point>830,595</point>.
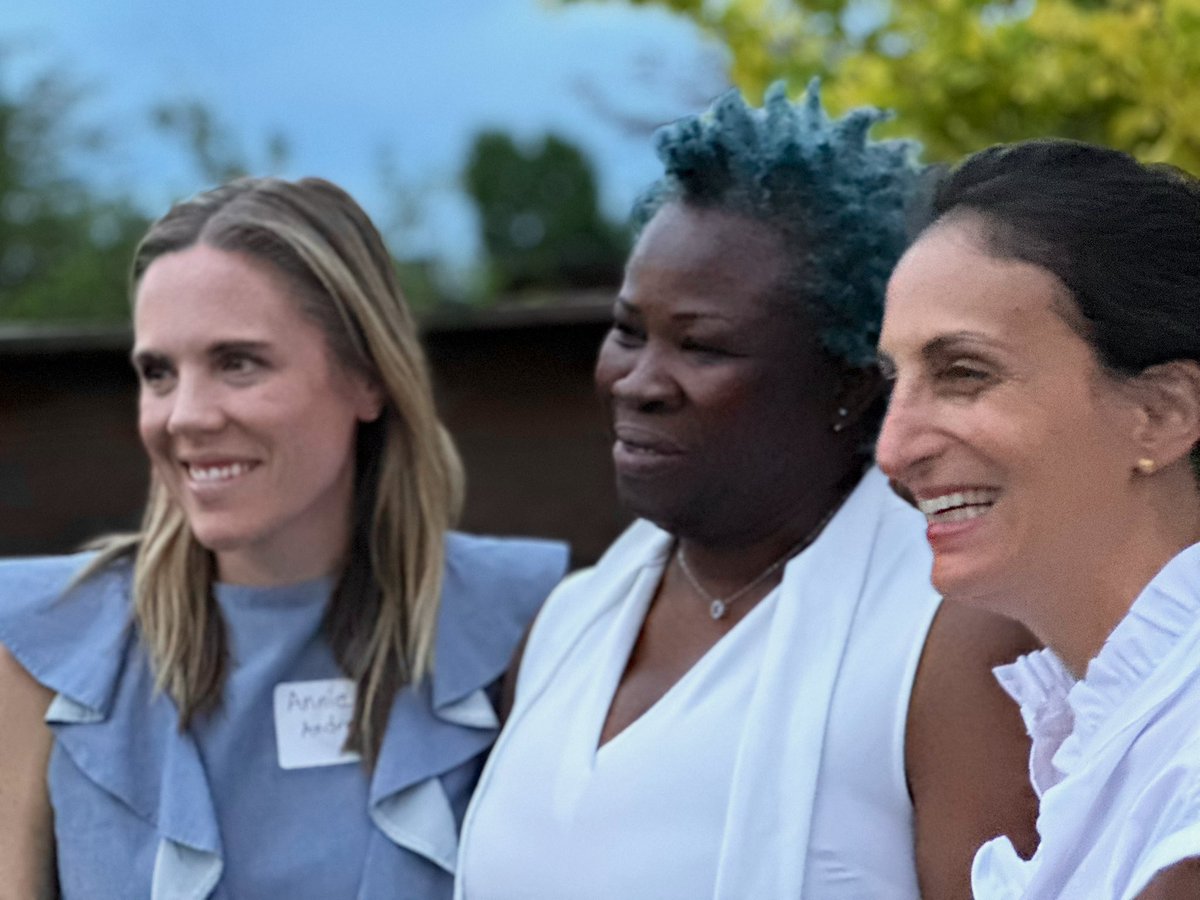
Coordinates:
<point>716,609</point>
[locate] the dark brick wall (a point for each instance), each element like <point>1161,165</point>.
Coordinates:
<point>514,386</point>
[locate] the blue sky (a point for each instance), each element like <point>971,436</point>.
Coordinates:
<point>353,82</point>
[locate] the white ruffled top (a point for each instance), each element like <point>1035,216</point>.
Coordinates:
<point>1115,756</point>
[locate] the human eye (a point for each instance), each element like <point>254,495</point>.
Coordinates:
<point>964,375</point>
<point>626,333</point>
<point>153,372</point>
<point>715,342</point>
<point>704,348</point>
<point>239,363</point>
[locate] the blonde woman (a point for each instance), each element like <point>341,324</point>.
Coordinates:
<point>280,687</point>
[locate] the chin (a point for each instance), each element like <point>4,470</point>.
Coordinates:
<point>950,581</point>
<point>220,537</point>
<point>674,519</point>
<point>634,497</point>
<point>972,586</point>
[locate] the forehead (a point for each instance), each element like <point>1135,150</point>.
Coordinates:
<point>205,293</point>
<point>706,257</point>
<point>947,284</point>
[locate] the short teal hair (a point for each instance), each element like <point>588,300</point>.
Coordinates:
<point>844,201</point>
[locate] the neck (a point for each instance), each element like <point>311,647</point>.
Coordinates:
<point>725,563</point>
<point>1076,608</point>
<point>275,568</point>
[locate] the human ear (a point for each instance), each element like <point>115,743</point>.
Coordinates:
<point>1168,400</point>
<point>369,398</point>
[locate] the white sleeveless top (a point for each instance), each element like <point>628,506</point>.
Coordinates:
<point>787,736</point>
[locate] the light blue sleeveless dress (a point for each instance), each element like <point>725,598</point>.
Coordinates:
<point>144,810</point>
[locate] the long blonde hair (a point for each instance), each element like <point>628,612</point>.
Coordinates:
<point>382,618</point>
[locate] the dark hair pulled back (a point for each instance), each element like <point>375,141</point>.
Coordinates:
<point>1122,236</point>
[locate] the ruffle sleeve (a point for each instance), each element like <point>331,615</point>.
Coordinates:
<point>71,638</point>
<point>491,591</point>
<point>116,734</point>
<point>117,737</point>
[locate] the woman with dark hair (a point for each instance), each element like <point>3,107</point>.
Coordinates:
<point>754,693</point>
<point>1043,336</point>
<point>281,685</point>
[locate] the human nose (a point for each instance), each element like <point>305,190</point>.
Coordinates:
<point>645,380</point>
<point>193,406</point>
<point>907,437</point>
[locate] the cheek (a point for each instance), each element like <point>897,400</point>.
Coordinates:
<point>156,442</point>
<point>1041,454</point>
<point>329,421</point>
<point>1072,436</point>
<point>610,366</point>
<point>732,395</point>
<point>152,424</point>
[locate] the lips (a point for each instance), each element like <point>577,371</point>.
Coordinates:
<point>641,452</point>
<point>643,441</point>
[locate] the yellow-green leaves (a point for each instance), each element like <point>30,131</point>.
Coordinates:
<point>962,74</point>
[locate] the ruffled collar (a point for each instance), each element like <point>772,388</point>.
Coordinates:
<point>1069,719</point>
<point>123,734</point>
<point>1040,684</point>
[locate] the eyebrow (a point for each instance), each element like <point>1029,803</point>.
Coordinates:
<point>944,343</point>
<point>217,349</point>
<point>138,357</point>
<point>938,347</point>
<point>238,347</point>
<point>700,316</point>
<point>684,316</point>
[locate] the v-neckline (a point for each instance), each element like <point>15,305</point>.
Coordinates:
<point>621,638</point>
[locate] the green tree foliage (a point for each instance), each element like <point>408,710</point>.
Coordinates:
<point>539,216</point>
<point>211,146</point>
<point>962,74</point>
<point>64,250</point>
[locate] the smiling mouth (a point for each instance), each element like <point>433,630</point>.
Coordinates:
<point>639,449</point>
<point>636,439</point>
<point>216,474</point>
<point>958,506</point>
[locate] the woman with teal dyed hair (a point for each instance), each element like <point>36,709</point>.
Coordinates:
<point>754,693</point>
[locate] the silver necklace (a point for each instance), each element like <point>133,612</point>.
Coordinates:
<point>718,606</point>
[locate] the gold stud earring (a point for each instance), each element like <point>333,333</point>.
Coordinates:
<point>1146,466</point>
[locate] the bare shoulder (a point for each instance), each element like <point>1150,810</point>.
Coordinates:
<point>508,682</point>
<point>1178,882</point>
<point>26,843</point>
<point>19,687</point>
<point>25,737</point>
<point>966,750</point>
<point>965,640</point>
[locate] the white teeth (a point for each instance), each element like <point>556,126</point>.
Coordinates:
<point>638,448</point>
<point>218,473</point>
<point>961,514</point>
<point>958,506</point>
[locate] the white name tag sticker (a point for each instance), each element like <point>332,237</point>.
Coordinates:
<point>312,720</point>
